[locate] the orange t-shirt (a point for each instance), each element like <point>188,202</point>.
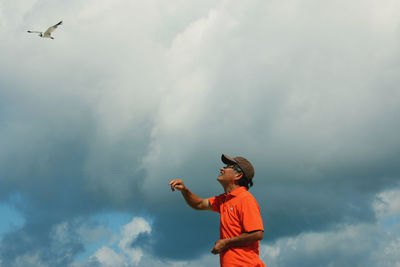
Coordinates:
<point>240,214</point>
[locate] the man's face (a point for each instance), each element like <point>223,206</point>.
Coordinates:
<point>227,175</point>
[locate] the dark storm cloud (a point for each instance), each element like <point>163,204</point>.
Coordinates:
<point>48,161</point>
<point>41,242</point>
<point>314,115</point>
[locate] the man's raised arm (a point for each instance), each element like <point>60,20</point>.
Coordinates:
<point>192,200</point>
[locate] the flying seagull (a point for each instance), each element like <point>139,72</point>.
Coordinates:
<point>47,33</point>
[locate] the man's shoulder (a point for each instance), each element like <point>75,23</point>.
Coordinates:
<point>245,192</point>
<point>246,196</point>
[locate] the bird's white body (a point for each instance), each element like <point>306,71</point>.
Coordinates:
<point>47,33</point>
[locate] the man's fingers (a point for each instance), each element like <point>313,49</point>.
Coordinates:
<point>176,184</point>
<point>178,187</point>
<point>173,182</point>
<point>173,187</point>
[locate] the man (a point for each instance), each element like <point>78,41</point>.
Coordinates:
<point>241,227</point>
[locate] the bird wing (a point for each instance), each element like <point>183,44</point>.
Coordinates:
<point>34,32</point>
<point>51,29</point>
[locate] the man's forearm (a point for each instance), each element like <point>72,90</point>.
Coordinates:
<point>238,241</point>
<point>191,199</point>
<point>244,239</point>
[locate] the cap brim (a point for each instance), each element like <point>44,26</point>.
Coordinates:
<point>227,160</point>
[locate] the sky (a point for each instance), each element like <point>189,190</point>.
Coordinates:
<point>131,94</point>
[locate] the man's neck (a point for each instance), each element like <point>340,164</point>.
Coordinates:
<point>229,188</point>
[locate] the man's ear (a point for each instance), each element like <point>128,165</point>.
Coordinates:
<point>239,176</point>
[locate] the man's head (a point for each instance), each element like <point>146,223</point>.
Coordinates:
<point>238,169</point>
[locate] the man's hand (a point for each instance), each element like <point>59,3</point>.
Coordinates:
<point>177,184</point>
<point>220,246</point>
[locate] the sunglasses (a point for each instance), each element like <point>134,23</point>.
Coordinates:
<point>234,167</point>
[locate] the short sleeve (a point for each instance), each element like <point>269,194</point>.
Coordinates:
<point>251,217</point>
<point>216,202</point>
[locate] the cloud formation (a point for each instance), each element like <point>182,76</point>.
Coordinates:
<point>130,95</point>
<point>347,245</point>
<point>129,255</point>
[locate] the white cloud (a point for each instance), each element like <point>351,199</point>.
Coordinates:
<point>129,234</point>
<point>107,257</point>
<point>387,203</point>
<point>264,78</point>
<point>348,245</point>
<point>356,245</point>
<point>127,255</point>
<point>135,256</point>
